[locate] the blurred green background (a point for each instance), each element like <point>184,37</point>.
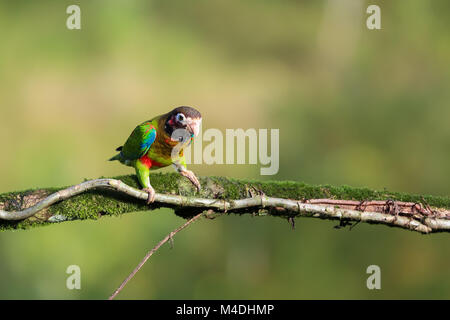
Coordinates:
<point>354,106</point>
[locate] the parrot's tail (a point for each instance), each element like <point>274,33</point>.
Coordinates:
<point>116,157</point>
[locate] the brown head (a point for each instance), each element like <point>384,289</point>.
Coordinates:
<point>183,118</point>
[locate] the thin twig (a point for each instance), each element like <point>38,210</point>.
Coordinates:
<point>169,237</point>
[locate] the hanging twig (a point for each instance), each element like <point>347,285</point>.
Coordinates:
<point>169,237</point>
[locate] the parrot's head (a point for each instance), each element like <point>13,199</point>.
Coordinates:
<point>184,118</point>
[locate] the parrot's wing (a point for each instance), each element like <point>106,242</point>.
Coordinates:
<point>139,141</point>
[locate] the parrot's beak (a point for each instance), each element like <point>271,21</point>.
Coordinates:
<point>194,126</point>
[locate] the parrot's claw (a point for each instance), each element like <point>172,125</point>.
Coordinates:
<point>191,176</point>
<point>151,194</point>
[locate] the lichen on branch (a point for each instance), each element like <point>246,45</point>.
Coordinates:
<point>95,198</point>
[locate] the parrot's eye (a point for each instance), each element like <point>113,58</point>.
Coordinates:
<point>180,117</point>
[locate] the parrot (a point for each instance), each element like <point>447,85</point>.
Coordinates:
<point>155,144</point>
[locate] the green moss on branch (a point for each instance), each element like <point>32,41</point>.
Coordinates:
<point>94,204</point>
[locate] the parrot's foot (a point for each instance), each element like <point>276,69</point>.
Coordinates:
<point>151,194</point>
<point>191,176</point>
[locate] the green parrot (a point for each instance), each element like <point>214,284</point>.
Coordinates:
<point>158,143</point>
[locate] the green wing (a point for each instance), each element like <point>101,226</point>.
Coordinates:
<point>139,141</point>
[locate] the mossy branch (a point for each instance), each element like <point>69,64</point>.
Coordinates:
<point>220,195</point>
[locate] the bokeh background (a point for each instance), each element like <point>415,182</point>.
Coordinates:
<point>354,106</point>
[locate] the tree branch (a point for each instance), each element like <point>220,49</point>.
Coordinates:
<point>169,237</point>
<point>94,198</point>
